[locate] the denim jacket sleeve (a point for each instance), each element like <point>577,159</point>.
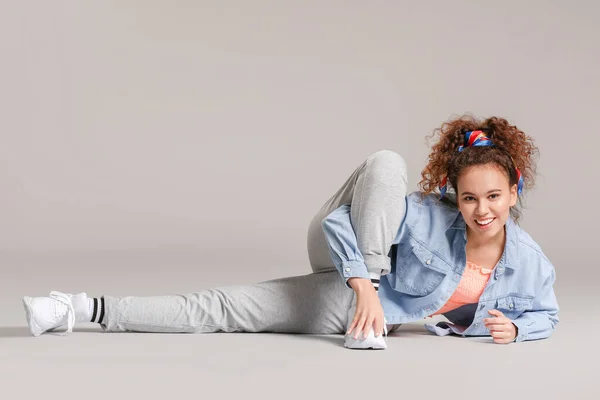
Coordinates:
<point>343,246</point>
<point>540,321</point>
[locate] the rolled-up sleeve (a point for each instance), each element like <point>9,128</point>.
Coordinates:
<point>343,246</point>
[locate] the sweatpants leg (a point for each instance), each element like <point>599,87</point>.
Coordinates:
<point>376,191</point>
<point>317,303</point>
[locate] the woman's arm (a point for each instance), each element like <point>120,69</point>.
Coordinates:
<point>343,246</point>
<point>351,265</point>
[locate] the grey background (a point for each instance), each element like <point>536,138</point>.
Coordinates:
<point>152,147</point>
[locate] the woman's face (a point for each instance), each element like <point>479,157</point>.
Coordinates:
<point>484,198</point>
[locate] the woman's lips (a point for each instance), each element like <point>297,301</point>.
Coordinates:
<point>486,226</point>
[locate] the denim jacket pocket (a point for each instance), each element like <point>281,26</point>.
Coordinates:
<point>421,273</point>
<point>512,306</point>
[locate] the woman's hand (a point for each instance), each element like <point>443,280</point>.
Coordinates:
<point>501,328</point>
<point>369,312</point>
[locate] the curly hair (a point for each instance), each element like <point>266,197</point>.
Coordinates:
<point>512,148</point>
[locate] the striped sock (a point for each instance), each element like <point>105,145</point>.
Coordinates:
<point>97,309</point>
<point>375,278</point>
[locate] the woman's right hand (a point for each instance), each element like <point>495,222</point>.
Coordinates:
<point>369,312</point>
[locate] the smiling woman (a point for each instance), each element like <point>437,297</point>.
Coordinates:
<point>486,164</point>
<point>404,257</point>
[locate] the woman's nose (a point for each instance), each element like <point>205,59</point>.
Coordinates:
<point>482,208</point>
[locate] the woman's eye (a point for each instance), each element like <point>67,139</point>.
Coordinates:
<point>469,198</point>
<point>493,196</point>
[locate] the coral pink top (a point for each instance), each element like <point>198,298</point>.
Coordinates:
<point>470,288</point>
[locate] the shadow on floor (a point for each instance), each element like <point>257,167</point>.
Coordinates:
<point>23,331</point>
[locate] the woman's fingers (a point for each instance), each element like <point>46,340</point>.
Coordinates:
<point>501,337</point>
<point>496,313</point>
<point>355,323</point>
<point>364,326</point>
<point>368,325</point>
<point>352,324</point>
<point>495,327</point>
<point>360,326</point>
<point>351,327</point>
<point>496,320</point>
<point>367,316</point>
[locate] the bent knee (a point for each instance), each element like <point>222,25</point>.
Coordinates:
<point>387,160</point>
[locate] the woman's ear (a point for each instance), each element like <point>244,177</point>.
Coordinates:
<point>513,195</point>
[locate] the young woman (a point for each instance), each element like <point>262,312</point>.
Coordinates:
<point>453,248</point>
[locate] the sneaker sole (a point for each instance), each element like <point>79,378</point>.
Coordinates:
<point>29,315</point>
<point>358,344</point>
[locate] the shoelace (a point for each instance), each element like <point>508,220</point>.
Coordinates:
<point>65,299</point>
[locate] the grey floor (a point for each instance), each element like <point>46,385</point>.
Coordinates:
<point>93,364</point>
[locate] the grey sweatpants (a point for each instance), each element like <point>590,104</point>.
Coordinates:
<point>316,303</point>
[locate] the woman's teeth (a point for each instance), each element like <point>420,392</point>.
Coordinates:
<point>484,222</point>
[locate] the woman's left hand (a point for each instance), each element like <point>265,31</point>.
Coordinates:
<point>501,328</point>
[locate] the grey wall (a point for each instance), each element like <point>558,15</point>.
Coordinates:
<point>186,131</point>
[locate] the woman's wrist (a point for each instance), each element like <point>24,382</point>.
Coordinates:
<point>360,285</point>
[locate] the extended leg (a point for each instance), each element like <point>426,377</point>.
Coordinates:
<point>316,303</point>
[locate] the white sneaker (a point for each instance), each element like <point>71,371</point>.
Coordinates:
<point>370,342</point>
<point>48,313</point>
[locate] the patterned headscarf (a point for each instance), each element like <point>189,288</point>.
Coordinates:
<point>478,138</point>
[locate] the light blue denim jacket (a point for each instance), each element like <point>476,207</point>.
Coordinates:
<point>428,258</point>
